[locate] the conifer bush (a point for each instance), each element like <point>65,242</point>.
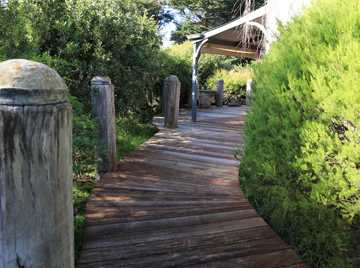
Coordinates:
<point>301,164</point>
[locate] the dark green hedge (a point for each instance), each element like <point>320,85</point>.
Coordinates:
<point>301,165</point>
<point>83,38</point>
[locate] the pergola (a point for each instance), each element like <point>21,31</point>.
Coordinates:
<point>244,37</point>
<point>249,36</point>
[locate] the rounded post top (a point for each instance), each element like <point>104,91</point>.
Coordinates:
<point>24,82</point>
<point>172,78</point>
<point>101,80</point>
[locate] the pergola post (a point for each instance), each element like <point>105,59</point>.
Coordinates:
<point>194,82</point>
<point>197,45</point>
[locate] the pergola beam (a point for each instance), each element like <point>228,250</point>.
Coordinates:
<point>230,51</point>
<point>259,13</point>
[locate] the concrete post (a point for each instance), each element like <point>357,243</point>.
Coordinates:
<point>36,208</point>
<point>249,86</point>
<point>171,96</point>
<point>103,109</point>
<point>220,93</point>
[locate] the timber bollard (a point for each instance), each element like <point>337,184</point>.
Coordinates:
<point>249,88</point>
<point>171,98</point>
<point>219,93</point>
<point>36,219</point>
<point>103,110</point>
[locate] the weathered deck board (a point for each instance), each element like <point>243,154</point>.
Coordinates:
<point>176,202</point>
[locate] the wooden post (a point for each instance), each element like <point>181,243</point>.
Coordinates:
<point>249,86</point>
<point>103,109</point>
<point>36,208</point>
<point>171,96</point>
<point>219,93</point>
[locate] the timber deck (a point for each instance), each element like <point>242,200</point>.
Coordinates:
<point>176,202</point>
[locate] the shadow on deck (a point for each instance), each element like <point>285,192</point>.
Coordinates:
<point>176,202</point>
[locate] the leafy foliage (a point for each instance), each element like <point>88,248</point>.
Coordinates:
<point>154,9</point>
<point>81,39</point>
<point>176,60</point>
<point>81,193</point>
<point>202,15</point>
<point>301,167</point>
<point>84,140</point>
<point>131,133</point>
<point>235,79</point>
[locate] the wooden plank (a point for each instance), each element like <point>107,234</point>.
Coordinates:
<point>176,233</point>
<point>283,258</point>
<point>230,52</point>
<point>207,245</point>
<point>114,215</point>
<point>248,220</point>
<point>230,247</point>
<point>177,202</point>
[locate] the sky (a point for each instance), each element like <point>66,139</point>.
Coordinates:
<point>170,27</point>
<point>166,34</point>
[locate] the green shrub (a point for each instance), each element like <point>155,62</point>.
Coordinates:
<point>81,39</point>
<point>84,166</point>
<point>235,80</point>
<point>176,60</point>
<point>132,133</point>
<point>301,167</point>
<point>81,193</point>
<point>84,142</point>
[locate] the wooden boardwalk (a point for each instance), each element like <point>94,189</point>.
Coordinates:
<point>176,202</point>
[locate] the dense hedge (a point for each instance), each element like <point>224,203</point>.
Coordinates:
<point>84,38</point>
<point>235,80</point>
<point>301,167</point>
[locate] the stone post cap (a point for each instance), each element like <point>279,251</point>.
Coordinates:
<point>24,82</point>
<point>101,80</point>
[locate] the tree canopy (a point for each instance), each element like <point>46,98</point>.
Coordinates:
<point>202,15</point>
